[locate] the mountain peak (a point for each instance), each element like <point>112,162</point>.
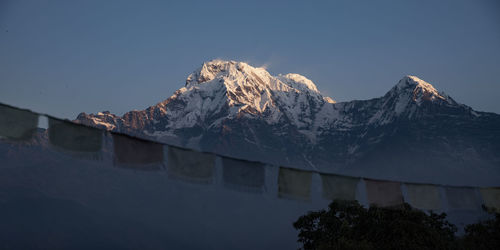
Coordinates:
<point>415,82</point>
<point>230,89</point>
<point>240,73</point>
<point>418,90</point>
<point>217,67</point>
<point>298,81</point>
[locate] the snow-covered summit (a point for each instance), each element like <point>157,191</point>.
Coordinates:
<point>240,73</point>
<point>298,81</point>
<point>419,90</point>
<point>243,90</point>
<point>412,92</point>
<point>414,81</point>
<point>408,99</point>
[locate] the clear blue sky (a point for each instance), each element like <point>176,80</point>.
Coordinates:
<point>66,57</point>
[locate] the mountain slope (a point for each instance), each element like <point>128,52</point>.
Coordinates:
<point>235,109</point>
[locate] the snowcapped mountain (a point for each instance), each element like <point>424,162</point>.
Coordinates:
<point>235,109</point>
<point>222,91</point>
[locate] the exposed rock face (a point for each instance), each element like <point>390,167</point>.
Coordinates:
<point>235,109</point>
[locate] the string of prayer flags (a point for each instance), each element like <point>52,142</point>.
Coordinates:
<point>137,153</point>
<point>425,197</point>
<point>491,198</point>
<point>336,187</point>
<point>294,183</point>
<point>17,124</point>
<point>75,139</point>
<point>87,142</point>
<point>461,198</point>
<point>384,193</point>
<point>190,165</point>
<point>243,175</point>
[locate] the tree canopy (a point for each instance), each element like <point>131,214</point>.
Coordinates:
<point>348,225</point>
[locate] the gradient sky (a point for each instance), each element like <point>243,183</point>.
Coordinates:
<point>67,57</point>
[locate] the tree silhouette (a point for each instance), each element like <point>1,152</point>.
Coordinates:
<point>348,225</point>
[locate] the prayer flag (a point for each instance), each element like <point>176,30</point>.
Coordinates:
<point>423,196</point>
<point>190,165</point>
<point>17,124</point>
<point>491,198</point>
<point>336,187</point>
<point>384,193</point>
<point>294,183</point>
<point>243,175</point>
<point>461,198</point>
<point>137,153</point>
